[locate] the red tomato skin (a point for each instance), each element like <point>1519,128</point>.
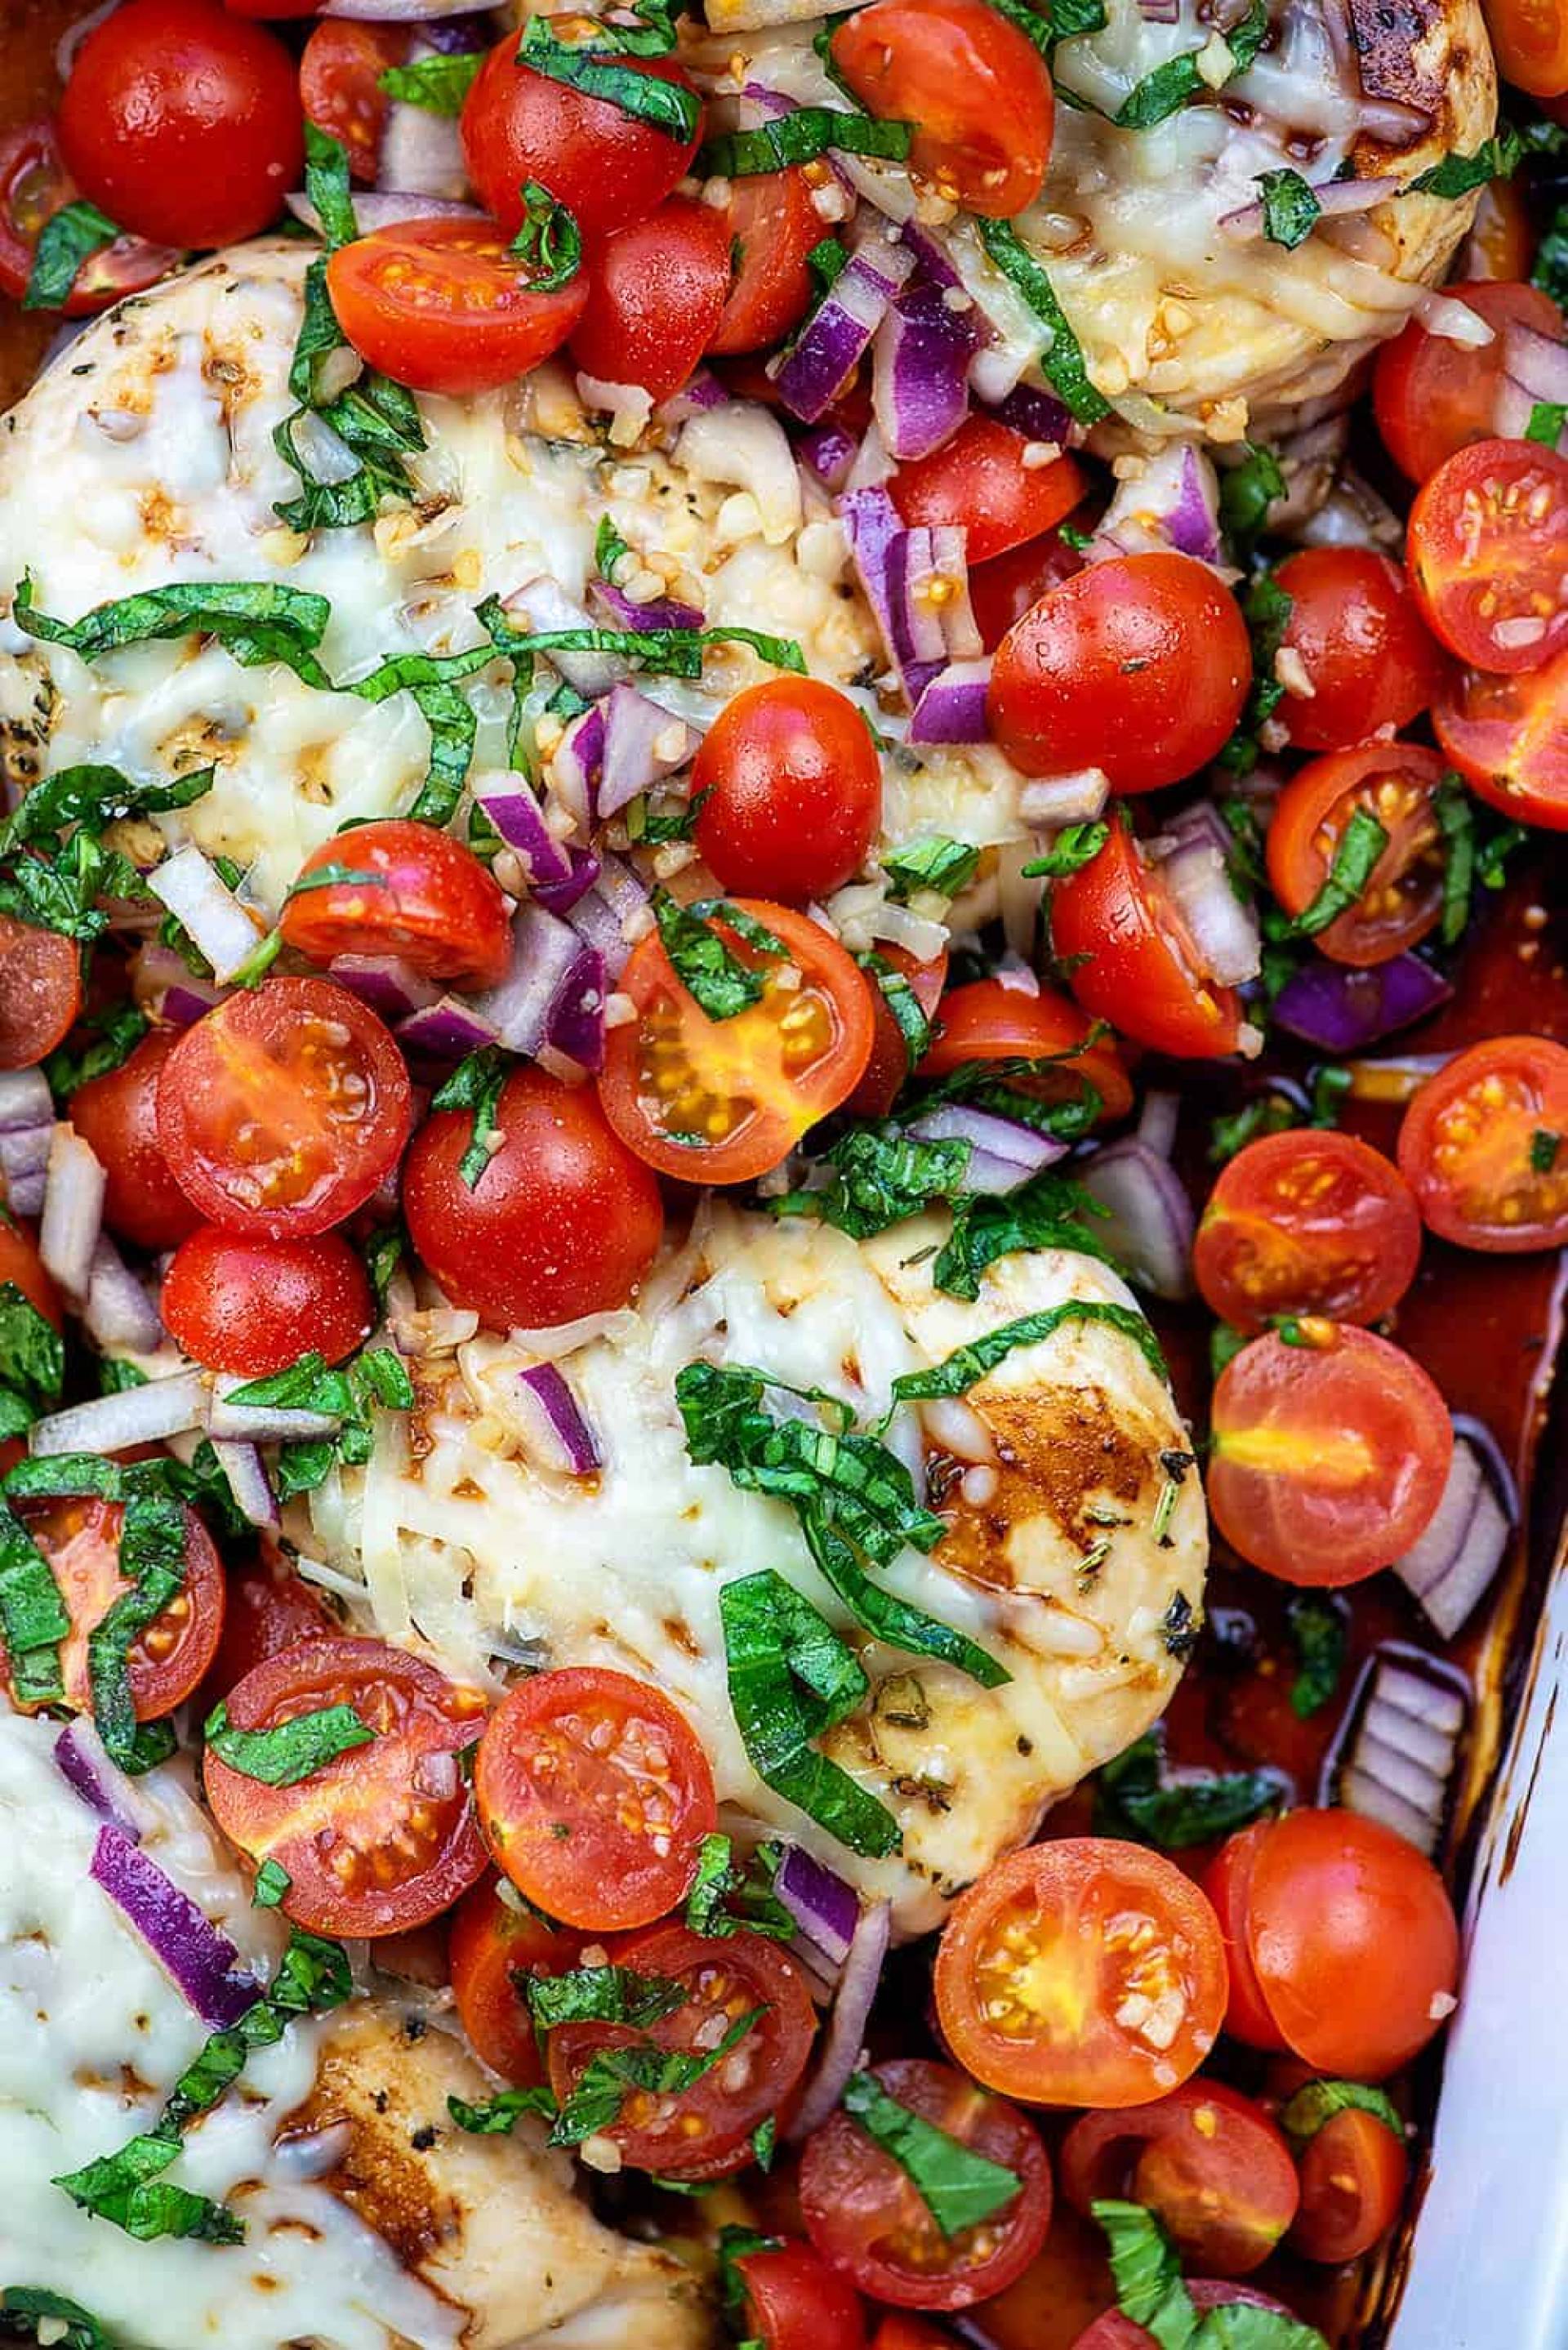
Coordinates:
<point>976,89</point>
<point>1462,1106</point>
<point>1306,1223</point>
<point>1138,666</point>
<point>439,305</point>
<point>1364,646</point>
<point>1124,961</point>
<point>1460,565</point>
<point>1354,2174</point>
<point>1003,589</point>
<point>436,908</point>
<point>1508,738</point>
<point>980,481</point>
<point>986,1021</point>
<point>794,791</point>
<point>34,185</point>
<point>1207,2160</point>
<point>656,293</point>
<point>40,992</point>
<point>610,169</point>
<point>776,224</point>
<point>269,1608</point>
<point>888,1066</point>
<point>903,2332</point>
<point>183,122</point>
<point>251,1306</point>
<point>118,1115</point>
<point>1500,246</point>
<point>565,1221</point>
<point>339,85</point>
<point>490,1941</point>
<point>1406,776</point>
<point>1431,396</point>
<point>795,2302</point>
<point>23,1268</point>
<point>80,1539</point>
<point>1114,2332</point>
<point>1228,1881</point>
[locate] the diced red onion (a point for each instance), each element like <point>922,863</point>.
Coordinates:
<point>1174,502</point>
<point>1343,1009</point>
<point>421,154</point>
<point>701,391</point>
<point>1150,1223</point>
<point>574,1024</point>
<point>546,606</point>
<point>1336,198</point>
<point>202,1961</point>
<point>880,544</point>
<point>1048,802</point>
<point>823,1906</point>
<point>664,612</point>
<point>543,950</point>
<point>391,988</point>
<point>119,1312</point>
<point>397,12</point>
<point>24,1100</point>
<point>1157,1122</point>
<point>559,1437</point>
<point>509,801</point>
<point>845,2033</point>
<point>1536,374</point>
<point>1446,315</point>
<point>576,764</point>
<point>828,450</point>
<point>188,1001</point>
<point>1039,415</point>
<point>642,744</point>
<point>73,1211</point>
<point>446,1031</point>
<point>1466,1541</point>
<point>1224,933</point>
<point>462,36</point>
<point>197,895</point>
<point>1393,1759</point>
<point>112,1423</point>
<point>246,1423</point>
<point>23,1165</point>
<point>583,869</point>
<point>960,630</point>
<point>920,380</point>
<point>1392,122</point>
<point>951,708</point>
<point>83,1763</point>
<point>839,331</point>
<point>249,1483</point>
<point>1002,1153</point>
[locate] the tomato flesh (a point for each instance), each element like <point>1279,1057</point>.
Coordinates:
<point>1307,1222</point>
<point>444,306</point>
<point>34,185</point>
<point>1227,1882</point>
<point>1489,554</point>
<point>774,223</point>
<point>1114,2332</point>
<point>1395,785</point>
<point>1131,958</point>
<point>986,1021</point>
<point>1433,396</point>
<point>608,166</point>
<point>403,890</point>
<point>1483,1149</point>
<point>40,992</point>
<point>795,2302</point>
<point>269,1608</point>
<point>1354,2174</point>
<point>1531,42</point>
<point>656,293</point>
<point>1208,2161</point>
<point>885,1074</point>
<point>1508,738</point>
<point>1363,647</point>
<point>81,1540</point>
<point>975,88</point>
<point>981,482</point>
<point>339,85</point>
<point>493,1941</point>
<point>790,788</point>
<point>117,1114</point>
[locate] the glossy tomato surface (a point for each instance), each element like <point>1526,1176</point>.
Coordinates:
<point>404,890</point>
<point>987,1021</point>
<point>20,1267</point>
<point>793,2301</point>
<point>445,305</point>
<point>1227,1882</point>
<point>608,166</point>
<point>1483,1149</point>
<point>789,785</point>
<point>1210,2165</point>
<point>253,1306</point>
<point>1394,786</point>
<point>1132,960</point>
<point>1529,38</point>
<point>117,1114</point>
<point>34,186</point>
<point>985,481</point>
<point>1307,1222</point>
<point>40,992</point>
<point>656,293</point>
<point>494,1942</point>
<point>340,85</point>
<point>1508,736</point>
<point>890,970</point>
<point>1489,554</point>
<point>1364,651</point>
<point>773,225</point>
<point>82,1541</point>
<point>1432,395</point>
<point>269,1608</point>
<point>1354,2174</point>
<point>1114,2332</point>
<point>974,86</point>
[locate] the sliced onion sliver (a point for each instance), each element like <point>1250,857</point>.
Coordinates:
<point>445,1030</point>
<point>83,1763</point>
<point>559,1437</point>
<point>23,1165</point>
<point>397,12</point>
<point>1002,1153</point>
<point>823,1906</point>
<point>24,1100</point>
<point>1150,1223</point>
<point>111,1423</point>
<point>73,1211</point>
<point>839,332</point>
<point>846,2032</point>
<point>202,1961</point>
<point>951,708</point>
<point>390,987</point>
<point>543,950</point>
<point>1464,1544</point>
<point>119,1312</point>
<point>1342,1009</point>
<point>509,801</point>
<point>197,895</point>
<point>385,207</point>
<point>261,1423</point>
<point>249,1483</point>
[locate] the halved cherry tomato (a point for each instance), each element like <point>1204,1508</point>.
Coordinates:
<point>118,1115</point>
<point>1114,2332</point>
<point>774,225</point>
<point>284,1108</point>
<point>340,85</point>
<point>1227,1882</point>
<point>885,1072</point>
<point>986,1021</point>
<point>1489,554</point>
<point>1500,246</point>
<point>981,481</point>
<point>405,889</point>
<point>1330,1454</point>
<point>1432,396</point>
<point>975,88</point>
<point>720,1101</point>
<point>34,185</point>
<point>1131,959</point>
<point>595,1795</point>
<point>705,2130</point>
<point>1354,2174</point>
<point>235,1304</point>
<point>795,2302</point>
<point>1003,589</point>
<point>183,122</point>
<point>1363,646</point>
<point>272,8</point>
<point>1354,1941</point>
<point>900,2331</point>
<point>1307,1222</point>
<point>493,1941</point>
<point>1207,2160</point>
<point>445,305</point>
<point>383,1837</point>
<point>1529,40</point>
<point>81,1539</point>
<point>1508,737</point>
<point>20,1267</point>
<point>1402,901</point>
<point>40,992</point>
<point>1082,1971</point>
<point>564,1221</point>
<point>610,167</point>
<point>865,2216</point>
<point>791,790</point>
<point>269,1608</point>
<point>1138,666</point>
<point>657,291</point>
<point>1484,1147</point>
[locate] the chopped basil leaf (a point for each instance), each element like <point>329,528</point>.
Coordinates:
<point>153,1561</point>
<point>33,1617</point>
<point>66,239</point>
<point>113,1034</point>
<point>153,1742</point>
<point>439,84</point>
<point>609,548</point>
<point>1291,210</point>
<point>1138,1797</point>
<point>719,983</point>
<point>272,1882</point>
<point>549,243</point>
<point>732,1896</point>
<point>1247,491</point>
<point>996,1085</point>
<point>800,138</point>
<point>326,185</point>
<point>966,1365</point>
<point>1455,812</point>
<point>827,261</point>
<point>294,1751</point>
<point>1316,2102</point>
<point>336,877</point>
<point>255,620</point>
<point>1551,270</point>
<point>1356,856</point>
<point>1063,357</point>
<point>498,2117</point>
<point>1167,89</point>
<point>69,2325</point>
<point>605,1995</point>
<point>1050,1211</point>
<point>1069,20</point>
<point>1547,419</point>
<point>94,795</point>
<point>124,2189</point>
<point>1319,1629</point>
<point>32,1352</point>
<point>764,2140</point>
<point>668,107</point>
<point>476,1084</point>
<point>595,2103</point>
<point>664,652</point>
<point>880,1176</point>
<point>934,863</point>
<point>1495,159</point>
<point>1150,2291</point>
<point>306,1386</point>
<point>1075,845</point>
<point>959,2188</point>
<point>892,1620</point>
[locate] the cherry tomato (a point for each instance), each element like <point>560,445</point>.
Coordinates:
<point>493,1941</point>
<point>703,2131</point>
<point>1530,41</point>
<point>445,305</point>
<point>1307,1222</point>
<point>1432,396</point>
<point>1003,589</point>
<point>1227,1882</point>
<point>596,1795</point>
<point>383,1837</point>
<point>1114,2332</point>
<point>340,85</point>
<point>983,482</point>
<point>1402,903</point>
<point>269,1608</point>
<point>657,291</point>
<point>1489,554</point>
<point>885,1072</point>
<point>118,1115</point>
<point>40,992</point>
<point>20,1267</point>
<point>720,1101</point>
<point>902,2332</point>
<point>1138,666</point>
<point>1329,1455</point>
<point>865,2216</point>
<point>1354,1941</point>
<point>284,1108</point>
<point>252,1307</point>
<point>1354,2174</point>
<point>610,167</point>
<point>1501,243</point>
<point>1206,2160</point>
<point>404,890</point>
<point>1131,958</point>
<point>976,89</point>
<point>1508,737</point>
<point>774,225</point>
<point>34,185</point>
<point>986,1021</point>
<point>1483,1147</point>
<point>795,2302</point>
<point>564,1221</point>
<point>272,8</point>
<point>183,122</point>
<point>80,1539</point>
<point>1361,643</point>
<point>791,790</point>
<point>1081,1972</point>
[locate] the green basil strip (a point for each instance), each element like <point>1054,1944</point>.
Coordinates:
<point>306,1386</point>
<point>1318,2101</point>
<point>498,2117</point>
<point>329,186</point>
<point>1547,419</point>
<point>607,1994</point>
<point>595,2103</point>
<point>1137,1800</point>
<point>66,239</point>
<point>1075,845</point>
<point>880,1176</point>
<point>550,245</point>
<point>711,973</point>
<point>1167,89</point>
<point>1360,845</point>
<point>1150,2291</point>
<point>1494,158</point>
<point>32,1351</point>
<point>295,1750</point>
<point>801,137</point>
<point>1050,1211</point>
<point>891,1619</point>
<point>475,1085</point>
<point>439,84</point>
<point>95,796</point>
<point>959,2188</point>
<point>272,1882</point>
<point>1291,210</point>
<point>667,652</point>
<point>963,1370</point>
<point>72,2327</point>
<point>913,1022</point>
<point>1061,20</point>
<point>665,106</point>
<point>732,1896</point>
<point>255,620</point>
<point>1063,359</point>
<point>34,1620</point>
<point>111,1036</point>
<point>152,1560</point>
<point>936,863</point>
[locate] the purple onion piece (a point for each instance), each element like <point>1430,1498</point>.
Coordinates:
<point>642,744</point>
<point>1149,1224</point>
<point>543,950</point>
<point>510,804</point>
<point>576,764</point>
<point>119,1312</point>
<point>828,450</point>
<point>1003,1153</point>
<point>666,612</point>
<point>23,1165</point>
<point>445,1030</point>
<point>838,333</point>
<point>1341,1010</point>
<point>919,384</point>
<point>390,987</point>
<point>575,1024</point>
<point>459,37</point>
<point>82,1762</point>
<point>952,707</point>
<point>1037,414</point>
<point>823,1906</point>
<point>582,871</point>
<point>24,1101</point>
<point>183,1938</point>
<point>72,1220</point>
<point>880,546</point>
<point>563,1439</point>
<point>845,2033</point>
